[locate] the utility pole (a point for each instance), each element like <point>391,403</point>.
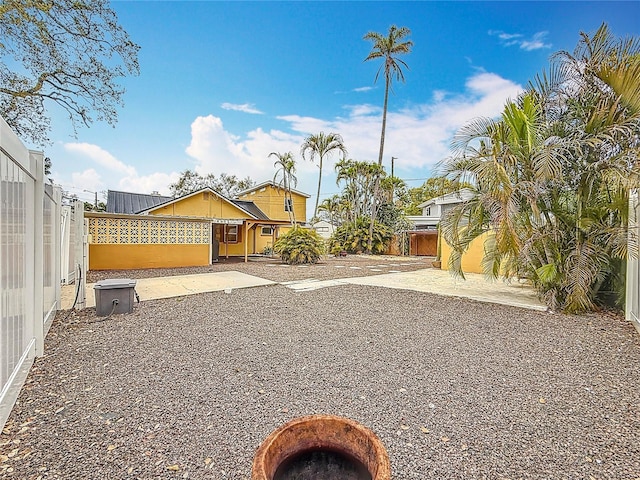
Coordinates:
<point>95,202</point>
<point>392,159</point>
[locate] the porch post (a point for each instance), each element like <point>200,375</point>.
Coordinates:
<point>246,241</point>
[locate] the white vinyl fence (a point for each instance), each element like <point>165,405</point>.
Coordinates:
<point>29,262</point>
<point>632,310</point>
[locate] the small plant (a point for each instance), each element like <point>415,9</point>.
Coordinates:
<point>299,246</point>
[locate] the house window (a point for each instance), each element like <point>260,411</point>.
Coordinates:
<point>266,231</point>
<point>288,205</point>
<point>427,212</point>
<point>232,233</point>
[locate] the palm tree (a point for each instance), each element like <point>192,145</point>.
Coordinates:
<point>285,170</point>
<point>321,145</point>
<point>553,176</point>
<point>388,48</point>
<point>331,206</point>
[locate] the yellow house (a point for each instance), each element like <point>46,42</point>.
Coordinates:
<point>151,231</point>
<point>270,198</point>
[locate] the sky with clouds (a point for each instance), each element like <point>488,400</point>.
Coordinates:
<point>223,84</point>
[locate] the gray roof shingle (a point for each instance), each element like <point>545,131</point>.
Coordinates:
<point>131,203</point>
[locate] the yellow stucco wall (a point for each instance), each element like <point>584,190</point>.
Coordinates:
<point>203,204</point>
<point>256,242</point>
<point>129,256</point>
<point>472,258</point>
<point>271,201</point>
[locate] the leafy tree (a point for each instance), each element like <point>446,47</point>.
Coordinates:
<point>90,207</point>
<point>321,145</point>
<point>300,246</point>
<point>285,170</point>
<point>553,176</point>
<point>70,52</point>
<point>331,209</point>
<point>359,186</point>
<point>353,237</point>
<point>188,182</point>
<point>227,185</point>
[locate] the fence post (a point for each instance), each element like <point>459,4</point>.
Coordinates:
<point>57,235</point>
<point>37,167</point>
<point>79,254</point>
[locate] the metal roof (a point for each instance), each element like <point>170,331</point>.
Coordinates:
<point>130,203</point>
<point>250,207</point>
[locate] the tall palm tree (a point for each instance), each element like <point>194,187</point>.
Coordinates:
<point>388,48</point>
<point>321,145</point>
<point>286,179</point>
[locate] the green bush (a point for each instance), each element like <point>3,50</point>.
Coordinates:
<point>353,237</point>
<point>300,245</point>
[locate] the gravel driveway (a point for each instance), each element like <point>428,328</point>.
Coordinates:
<point>188,387</point>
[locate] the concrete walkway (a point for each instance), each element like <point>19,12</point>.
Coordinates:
<point>475,287</point>
<point>429,280</point>
<point>175,286</point>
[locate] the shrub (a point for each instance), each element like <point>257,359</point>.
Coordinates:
<point>299,245</point>
<point>353,237</point>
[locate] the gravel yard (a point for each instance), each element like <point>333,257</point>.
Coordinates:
<point>273,269</point>
<point>188,387</point>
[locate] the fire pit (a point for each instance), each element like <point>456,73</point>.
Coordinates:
<point>321,447</point>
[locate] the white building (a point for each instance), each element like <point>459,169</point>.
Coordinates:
<point>434,209</point>
<point>423,239</point>
<point>324,228</point>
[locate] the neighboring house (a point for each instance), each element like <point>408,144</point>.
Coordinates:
<point>324,229</point>
<point>424,237</point>
<point>152,231</point>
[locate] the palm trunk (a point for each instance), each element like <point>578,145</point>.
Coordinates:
<point>377,182</point>
<point>384,120</point>
<point>374,213</point>
<point>315,210</point>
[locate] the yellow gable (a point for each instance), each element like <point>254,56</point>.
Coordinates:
<point>270,200</point>
<point>201,204</point>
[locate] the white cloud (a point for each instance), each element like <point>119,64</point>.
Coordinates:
<point>418,136</point>
<point>244,107</point>
<point>100,156</point>
<point>363,89</point>
<point>155,182</point>
<point>114,174</point>
<point>89,180</point>
<point>216,150</point>
<point>510,39</point>
<point>536,42</point>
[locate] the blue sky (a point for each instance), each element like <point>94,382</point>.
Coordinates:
<point>223,84</point>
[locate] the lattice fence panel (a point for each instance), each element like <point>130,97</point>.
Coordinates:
<point>144,231</point>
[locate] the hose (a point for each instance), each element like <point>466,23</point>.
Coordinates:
<point>78,286</point>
